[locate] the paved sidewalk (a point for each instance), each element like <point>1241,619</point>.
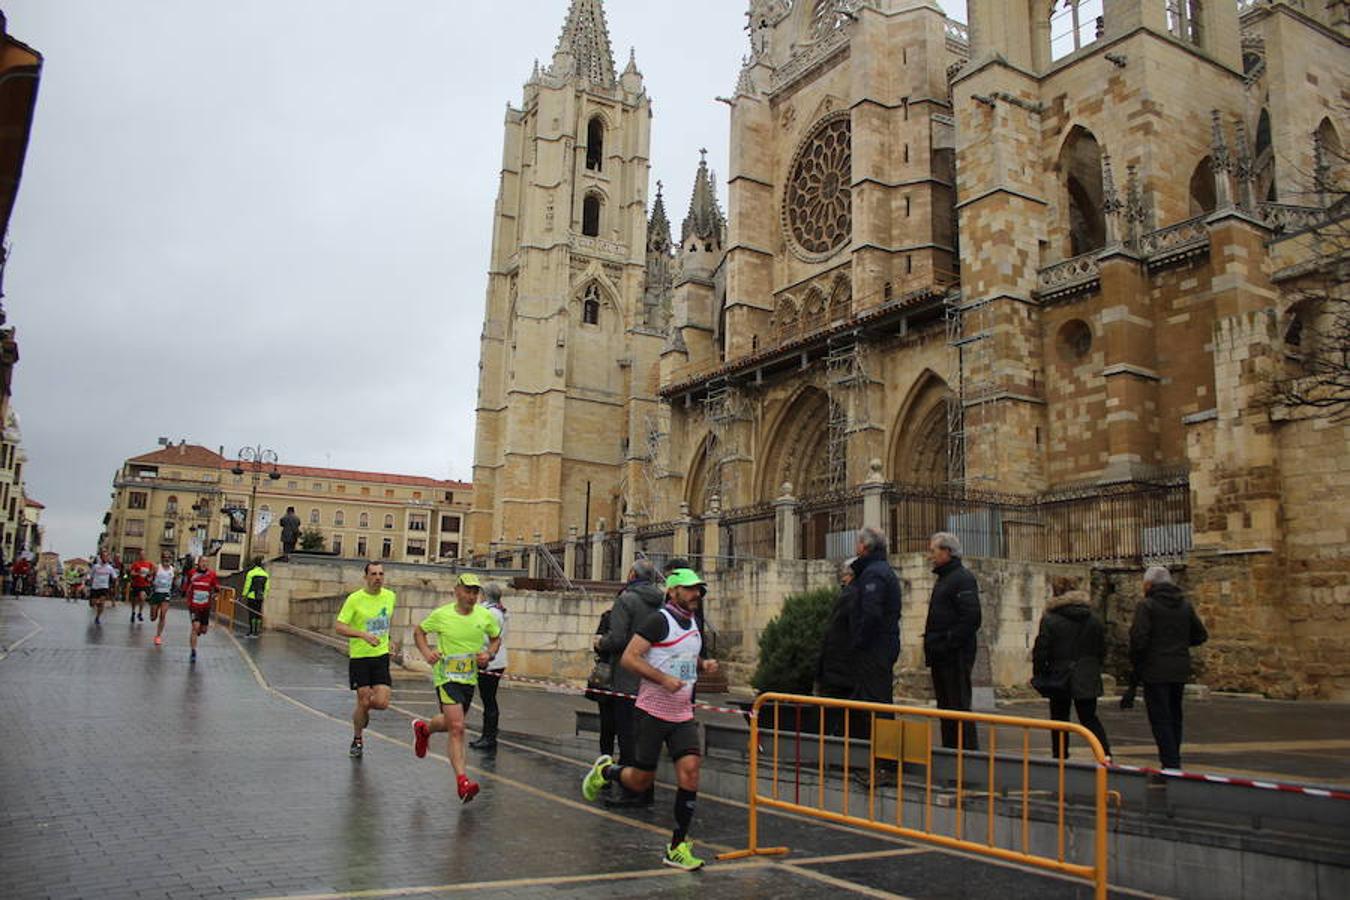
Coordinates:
<point>129,773</point>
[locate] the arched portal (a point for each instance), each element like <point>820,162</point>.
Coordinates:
<point>796,449</point>
<point>919,445</point>
<point>1202,188</point>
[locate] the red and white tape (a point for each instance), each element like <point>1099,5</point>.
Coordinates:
<point>1325,793</point>
<point>565,688</point>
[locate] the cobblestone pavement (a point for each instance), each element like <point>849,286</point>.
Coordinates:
<point>128,772</point>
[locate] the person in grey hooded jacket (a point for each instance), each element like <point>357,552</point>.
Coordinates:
<point>1071,645</point>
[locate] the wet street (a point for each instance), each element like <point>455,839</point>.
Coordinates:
<point>128,772</point>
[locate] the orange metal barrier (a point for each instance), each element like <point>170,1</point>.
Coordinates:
<point>902,737</point>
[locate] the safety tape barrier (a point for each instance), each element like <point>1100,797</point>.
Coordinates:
<point>563,687</point>
<point>1260,784</point>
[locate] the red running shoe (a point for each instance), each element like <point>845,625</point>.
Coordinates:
<point>467,789</point>
<point>421,734</point>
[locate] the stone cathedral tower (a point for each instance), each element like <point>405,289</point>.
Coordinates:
<point>571,333</point>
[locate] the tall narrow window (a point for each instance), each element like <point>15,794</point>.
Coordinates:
<point>590,215</point>
<point>1183,20</point>
<point>595,144</point>
<point>1073,25</point>
<point>590,306</point>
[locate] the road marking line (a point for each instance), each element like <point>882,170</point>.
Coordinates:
<point>542,881</point>
<point>840,883</point>
<point>487,776</point>
<point>6,651</point>
<point>859,857</point>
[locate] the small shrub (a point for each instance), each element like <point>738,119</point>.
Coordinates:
<point>312,540</point>
<point>790,644</point>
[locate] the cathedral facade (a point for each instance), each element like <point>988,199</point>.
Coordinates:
<point>1058,250</point>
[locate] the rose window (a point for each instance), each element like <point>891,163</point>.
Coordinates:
<point>818,205</point>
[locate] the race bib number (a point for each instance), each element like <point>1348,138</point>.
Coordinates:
<point>462,668</point>
<point>685,668</point>
<point>378,626</point>
<point>201,598</point>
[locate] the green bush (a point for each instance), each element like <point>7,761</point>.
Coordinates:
<point>312,539</point>
<point>790,644</point>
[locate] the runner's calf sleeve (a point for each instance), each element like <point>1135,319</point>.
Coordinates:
<point>685,801</point>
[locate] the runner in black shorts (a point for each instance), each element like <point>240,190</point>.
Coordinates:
<point>364,620</point>
<point>665,651</point>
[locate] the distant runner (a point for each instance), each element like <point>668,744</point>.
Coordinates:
<point>364,619</point>
<point>160,589</point>
<point>74,579</point>
<point>200,587</point>
<point>102,577</point>
<point>460,629</point>
<point>665,652</point>
<point>142,573</point>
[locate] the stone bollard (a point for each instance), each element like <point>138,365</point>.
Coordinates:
<point>874,496</point>
<point>597,572</point>
<point>712,535</point>
<point>682,531</point>
<point>570,554</point>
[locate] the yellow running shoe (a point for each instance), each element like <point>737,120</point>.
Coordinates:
<point>682,857</point>
<point>595,778</point>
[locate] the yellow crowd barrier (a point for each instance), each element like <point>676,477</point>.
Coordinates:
<point>901,739</point>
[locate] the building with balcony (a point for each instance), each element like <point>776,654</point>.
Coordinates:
<point>173,500</point>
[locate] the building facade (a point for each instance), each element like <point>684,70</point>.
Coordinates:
<point>1048,263</point>
<point>172,500</point>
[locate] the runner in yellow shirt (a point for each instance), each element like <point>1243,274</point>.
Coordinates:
<point>364,619</point>
<point>460,630</point>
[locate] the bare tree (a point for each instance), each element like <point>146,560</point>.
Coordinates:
<point>1315,381</point>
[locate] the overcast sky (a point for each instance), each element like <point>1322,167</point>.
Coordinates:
<point>268,221</point>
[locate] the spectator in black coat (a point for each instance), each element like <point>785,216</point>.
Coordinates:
<point>1165,629</point>
<point>1072,643</point>
<point>835,674</point>
<point>949,634</point>
<point>875,620</point>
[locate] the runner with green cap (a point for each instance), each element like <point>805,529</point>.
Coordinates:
<point>461,629</point>
<point>664,651</point>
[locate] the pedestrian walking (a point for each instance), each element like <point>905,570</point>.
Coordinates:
<point>102,578</point>
<point>255,591</point>
<point>290,531</point>
<point>460,629</point>
<point>494,670</point>
<point>835,673</point>
<point>364,620</point>
<point>598,687</point>
<point>1066,662</point>
<point>949,635</point>
<point>1165,629</point>
<point>640,598</point>
<point>161,586</point>
<point>200,587</point>
<point>664,653</point>
<point>141,574</point>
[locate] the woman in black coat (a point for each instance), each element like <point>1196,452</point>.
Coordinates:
<point>1070,648</point>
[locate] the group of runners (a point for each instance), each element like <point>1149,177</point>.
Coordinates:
<point>153,586</point>
<point>462,641</point>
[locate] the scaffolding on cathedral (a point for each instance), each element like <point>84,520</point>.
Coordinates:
<point>724,406</point>
<point>969,337</point>
<point>656,437</point>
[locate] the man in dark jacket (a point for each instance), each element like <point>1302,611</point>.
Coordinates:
<point>949,634</point>
<point>640,598</point>
<point>1164,631</point>
<point>875,620</point>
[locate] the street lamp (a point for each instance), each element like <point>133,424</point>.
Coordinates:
<point>255,459</point>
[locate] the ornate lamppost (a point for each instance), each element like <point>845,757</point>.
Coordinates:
<point>255,459</point>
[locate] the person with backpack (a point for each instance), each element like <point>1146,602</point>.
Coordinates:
<point>1066,662</point>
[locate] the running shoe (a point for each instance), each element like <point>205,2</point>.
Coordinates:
<point>421,734</point>
<point>193,657</point>
<point>159,641</point>
<point>140,617</point>
<point>357,749</point>
<point>682,857</point>
<point>595,778</point>
<point>467,789</point>
<point>133,617</point>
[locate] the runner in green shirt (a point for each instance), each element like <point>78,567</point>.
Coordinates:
<point>364,619</point>
<point>460,630</point>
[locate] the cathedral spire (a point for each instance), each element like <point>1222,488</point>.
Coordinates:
<point>705,219</point>
<point>658,228</point>
<point>583,47</point>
